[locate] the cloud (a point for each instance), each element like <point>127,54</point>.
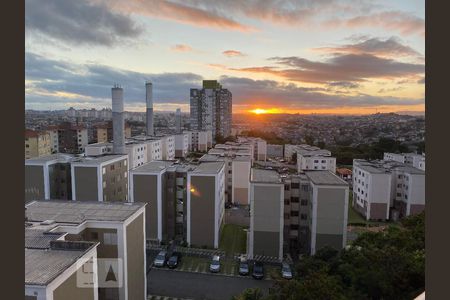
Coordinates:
<point>178,12</point>
<point>275,94</point>
<point>391,47</point>
<point>58,82</point>
<point>421,81</point>
<point>52,84</point>
<point>347,67</point>
<point>79,22</point>
<point>233,53</point>
<point>181,48</point>
<point>405,23</point>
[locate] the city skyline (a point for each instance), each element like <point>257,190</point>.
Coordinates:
<point>283,57</point>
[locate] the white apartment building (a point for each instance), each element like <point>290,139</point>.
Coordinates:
<point>199,140</point>
<point>259,147</point>
<point>310,158</point>
<point>137,152</point>
<point>181,145</point>
<point>167,147</point>
<point>411,159</point>
<point>379,186</point>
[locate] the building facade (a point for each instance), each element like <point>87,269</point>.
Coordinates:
<point>211,109</point>
<point>37,144</point>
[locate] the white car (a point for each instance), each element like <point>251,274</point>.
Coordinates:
<point>286,272</point>
<point>214,267</point>
<point>160,259</point>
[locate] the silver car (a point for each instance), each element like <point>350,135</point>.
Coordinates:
<point>286,272</point>
<point>214,267</point>
<point>160,259</point>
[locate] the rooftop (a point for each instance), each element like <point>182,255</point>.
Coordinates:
<point>57,157</point>
<point>209,167</point>
<point>266,176</point>
<point>325,178</point>
<point>344,171</point>
<point>155,166</point>
<point>97,160</point>
<point>43,266</point>
<point>76,212</point>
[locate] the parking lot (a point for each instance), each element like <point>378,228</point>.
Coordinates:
<point>198,286</point>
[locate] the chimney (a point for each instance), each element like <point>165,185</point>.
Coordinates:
<point>118,120</point>
<point>149,101</point>
<point>178,120</point>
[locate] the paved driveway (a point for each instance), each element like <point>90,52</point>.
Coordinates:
<point>200,286</point>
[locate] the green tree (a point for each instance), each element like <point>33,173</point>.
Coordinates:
<point>250,294</point>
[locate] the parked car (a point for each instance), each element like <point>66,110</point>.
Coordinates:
<point>160,259</point>
<point>286,272</point>
<point>174,260</point>
<point>258,270</point>
<point>214,267</point>
<point>244,269</point>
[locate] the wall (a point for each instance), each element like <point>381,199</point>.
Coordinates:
<point>116,181</point>
<point>86,183</point>
<point>145,190</point>
<point>202,202</point>
<point>136,259</point>
<point>240,181</point>
<point>34,183</point>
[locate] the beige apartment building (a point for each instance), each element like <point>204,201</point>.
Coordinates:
<point>65,241</point>
<point>37,144</point>
<point>185,201</point>
<point>103,178</point>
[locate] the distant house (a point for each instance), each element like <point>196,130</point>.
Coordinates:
<point>344,173</point>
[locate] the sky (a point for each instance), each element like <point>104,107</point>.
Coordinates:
<point>303,56</point>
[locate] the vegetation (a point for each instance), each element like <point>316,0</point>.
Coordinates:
<point>379,265</point>
<point>221,140</point>
<point>270,137</point>
<point>345,154</point>
<point>233,239</point>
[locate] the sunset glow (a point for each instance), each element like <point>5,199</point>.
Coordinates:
<point>260,111</point>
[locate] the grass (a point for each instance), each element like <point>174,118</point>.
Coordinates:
<point>233,239</point>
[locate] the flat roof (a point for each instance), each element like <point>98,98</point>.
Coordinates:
<point>325,178</point>
<point>97,160</point>
<point>266,176</point>
<point>209,167</point>
<point>154,166</point>
<point>63,157</point>
<point>76,212</point>
<point>40,238</point>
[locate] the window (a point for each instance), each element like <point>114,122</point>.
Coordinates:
<point>104,170</point>
<point>286,201</point>
<point>295,185</point>
<point>294,226</point>
<point>286,187</point>
<point>399,185</point>
<point>125,174</point>
<point>399,194</point>
<point>304,202</point>
<point>27,146</point>
<point>104,184</point>
<point>316,161</point>
<point>94,235</point>
<point>305,187</point>
<point>286,216</point>
<point>294,213</point>
<point>294,199</point>
<point>399,176</point>
<point>303,217</point>
<point>109,238</point>
<point>323,161</point>
<point>112,168</point>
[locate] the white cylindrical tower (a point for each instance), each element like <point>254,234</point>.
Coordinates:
<point>149,102</point>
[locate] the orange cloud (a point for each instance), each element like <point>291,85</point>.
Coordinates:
<point>233,53</point>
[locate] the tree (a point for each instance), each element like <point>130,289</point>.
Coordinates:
<point>250,294</point>
<point>309,140</point>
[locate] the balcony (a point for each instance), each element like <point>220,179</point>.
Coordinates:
<point>180,194</point>
<point>180,181</point>
<point>179,207</point>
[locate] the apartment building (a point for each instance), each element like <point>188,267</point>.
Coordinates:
<point>265,237</point>
<point>69,245</point>
<point>54,144</point>
<point>181,145</point>
<point>72,138</point>
<point>167,146</point>
<point>137,152</point>
<point>37,143</point>
<point>104,132</point>
<point>314,211</point>
<point>102,178</point>
<point>154,146</point>
<point>185,201</point>
<point>237,176</point>
<point>199,140</point>
<point>48,177</point>
<point>259,147</point>
<point>211,109</point>
<point>411,159</point>
<point>310,157</point>
<point>275,151</point>
<point>380,185</point>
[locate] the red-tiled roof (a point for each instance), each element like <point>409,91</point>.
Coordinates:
<point>344,171</point>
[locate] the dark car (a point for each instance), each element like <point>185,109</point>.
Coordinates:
<point>174,260</point>
<point>258,270</point>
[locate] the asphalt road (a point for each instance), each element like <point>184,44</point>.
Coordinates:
<point>200,286</point>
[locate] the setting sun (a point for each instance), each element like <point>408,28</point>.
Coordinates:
<point>260,111</point>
